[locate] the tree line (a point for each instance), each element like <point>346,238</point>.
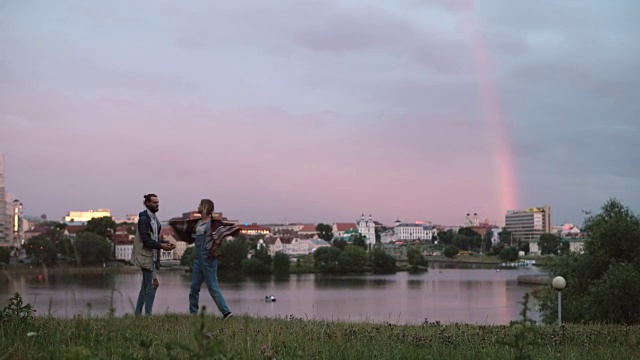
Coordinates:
<point>93,245</point>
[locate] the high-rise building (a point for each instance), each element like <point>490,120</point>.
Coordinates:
<point>5,227</point>
<point>17,223</point>
<point>527,225</point>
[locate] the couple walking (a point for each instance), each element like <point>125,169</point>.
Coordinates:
<point>206,233</point>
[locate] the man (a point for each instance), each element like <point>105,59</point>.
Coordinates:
<point>146,252</point>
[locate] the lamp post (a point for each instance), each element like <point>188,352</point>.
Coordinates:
<point>559,283</point>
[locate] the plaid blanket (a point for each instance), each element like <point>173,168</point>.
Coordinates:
<point>185,228</point>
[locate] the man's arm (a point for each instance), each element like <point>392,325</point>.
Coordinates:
<point>144,224</point>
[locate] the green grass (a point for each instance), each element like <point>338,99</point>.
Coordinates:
<point>183,336</point>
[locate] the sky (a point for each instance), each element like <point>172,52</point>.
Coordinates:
<point>320,111</point>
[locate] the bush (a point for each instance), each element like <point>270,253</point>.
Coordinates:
<point>383,263</point>
<point>415,257</point>
<point>509,253</point>
<point>281,263</point>
<point>603,283</point>
<point>232,253</point>
<point>352,259</point>
<point>326,259</point>
<point>92,248</point>
<point>255,266</point>
<point>451,251</point>
<point>188,257</point>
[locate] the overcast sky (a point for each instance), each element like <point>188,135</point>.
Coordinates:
<point>319,111</point>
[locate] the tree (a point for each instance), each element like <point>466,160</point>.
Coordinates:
<point>524,247</point>
<point>359,240</point>
<point>509,253</point>
<point>549,244</point>
<point>505,236</point>
<point>451,251</point>
<point>5,254</point>
<point>92,248</point>
<point>603,283</point>
<point>462,241</point>
<point>486,241</point>
<point>497,248</point>
<point>188,257</point>
<point>383,263</point>
<point>104,226</point>
<point>415,257</point>
<point>340,244</point>
<point>445,237</point>
<point>352,259</point>
<point>325,232</point>
<point>262,254</point>
<point>41,249</point>
<point>255,266</point>
<point>468,232</point>
<point>281,263</point>
<point>232,252</point>
<point>326,259</point>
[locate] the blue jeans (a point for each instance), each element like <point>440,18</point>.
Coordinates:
<point>147,293</point>
<point>206,270</point>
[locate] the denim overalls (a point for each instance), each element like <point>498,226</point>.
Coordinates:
<point>205,268</point>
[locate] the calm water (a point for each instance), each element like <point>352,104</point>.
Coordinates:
<point>445,294</point>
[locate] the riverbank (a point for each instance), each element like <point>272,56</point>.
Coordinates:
<point>242,337</point>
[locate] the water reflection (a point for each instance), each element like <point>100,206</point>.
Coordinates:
<point>443,294</point>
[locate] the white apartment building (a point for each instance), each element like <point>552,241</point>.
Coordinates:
<point>293,246</point>
<point>527,225</point>
<point>415,231</point>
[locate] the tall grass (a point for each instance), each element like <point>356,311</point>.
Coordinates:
<point>184,336</point>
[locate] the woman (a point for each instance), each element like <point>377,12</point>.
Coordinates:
<point>208,234</point>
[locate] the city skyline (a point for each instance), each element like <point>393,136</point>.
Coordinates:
<point>322,111</point>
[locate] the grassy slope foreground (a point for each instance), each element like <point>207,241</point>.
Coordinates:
<point>183,336</point>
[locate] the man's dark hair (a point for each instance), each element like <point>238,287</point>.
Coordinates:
<point>147,198</point>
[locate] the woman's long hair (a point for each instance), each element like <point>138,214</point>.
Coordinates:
<point>207,207</point>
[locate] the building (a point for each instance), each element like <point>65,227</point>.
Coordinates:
<point>18,223</point>
<point>124,246</point>
<point>286,228</point>
<point>130,218</point>
<point>72,231</point>
<point>292,245</point>
<point>339,229</point>
<point>307,230</point>
<point>368,229</point>
<point>36,230</point>
<point>5,225</point>
<point>254,229</point>
<point>471,220</point>
<point>527,225</point>
<point>414,231</point>
<point>85,216</point>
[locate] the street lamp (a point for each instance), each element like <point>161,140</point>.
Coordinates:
<point>559,284</point>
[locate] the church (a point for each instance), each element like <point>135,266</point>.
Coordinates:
<point>367,228</point>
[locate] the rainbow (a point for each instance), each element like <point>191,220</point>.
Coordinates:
<point>494,116</point>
